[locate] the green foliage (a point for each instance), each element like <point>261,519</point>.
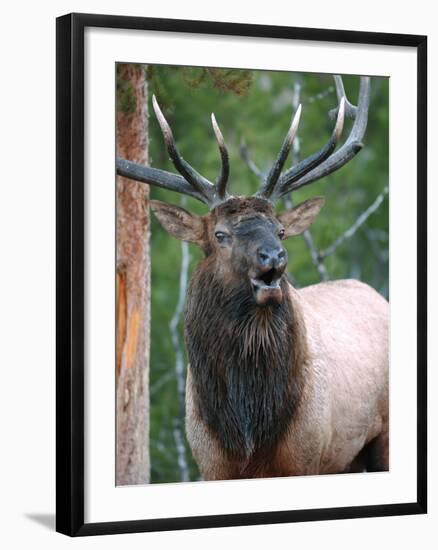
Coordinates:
<point>257,105</point>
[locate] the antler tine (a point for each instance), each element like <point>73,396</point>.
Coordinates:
<point>221,183</point>
<point>348,150</point>
<point>286,181</point>
<point>350,109</point>
<point>190,182</point>
<point>272,178</point>
<point>204,188</point>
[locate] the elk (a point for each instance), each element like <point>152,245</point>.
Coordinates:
<point>281,381</point>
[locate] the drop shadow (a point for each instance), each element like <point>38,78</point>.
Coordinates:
<point>46,520</point>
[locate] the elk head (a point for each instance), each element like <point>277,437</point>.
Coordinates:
<point>243,236</point>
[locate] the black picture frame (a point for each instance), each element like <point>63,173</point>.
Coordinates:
<point>70,273</point>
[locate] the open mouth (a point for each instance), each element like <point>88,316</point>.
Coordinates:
<point>266,287</point>
<point>270,279</point>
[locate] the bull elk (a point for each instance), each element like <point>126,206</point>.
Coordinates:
<point>281,381</point>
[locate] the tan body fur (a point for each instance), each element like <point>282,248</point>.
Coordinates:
<point>343,327</point>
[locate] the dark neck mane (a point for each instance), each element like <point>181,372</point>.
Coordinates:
<point>245,362</point>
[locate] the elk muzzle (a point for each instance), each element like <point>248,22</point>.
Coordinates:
<point>265,276</point>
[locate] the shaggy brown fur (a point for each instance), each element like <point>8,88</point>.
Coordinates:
<point>247,381</point>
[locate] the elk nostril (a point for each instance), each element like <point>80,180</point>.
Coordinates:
<point>263,257</point>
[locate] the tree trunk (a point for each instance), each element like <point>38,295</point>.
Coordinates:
<point>133,283</point>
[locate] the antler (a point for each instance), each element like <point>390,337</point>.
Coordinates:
<point>190,182</point>
<point>277,167</point>
<point>325,161</point>
<point>316,166</point>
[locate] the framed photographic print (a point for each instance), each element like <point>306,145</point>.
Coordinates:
<point>241,274</point>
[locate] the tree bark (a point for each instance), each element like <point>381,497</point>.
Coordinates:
<point>133,283</point>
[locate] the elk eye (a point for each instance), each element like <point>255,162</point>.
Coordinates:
<point>281,233</point>
<point>220,236</point>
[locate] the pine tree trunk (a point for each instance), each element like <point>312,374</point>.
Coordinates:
<point>133,283</point>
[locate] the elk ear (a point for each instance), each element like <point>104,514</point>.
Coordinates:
<point>178,222</point>
<point>299,218</point>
